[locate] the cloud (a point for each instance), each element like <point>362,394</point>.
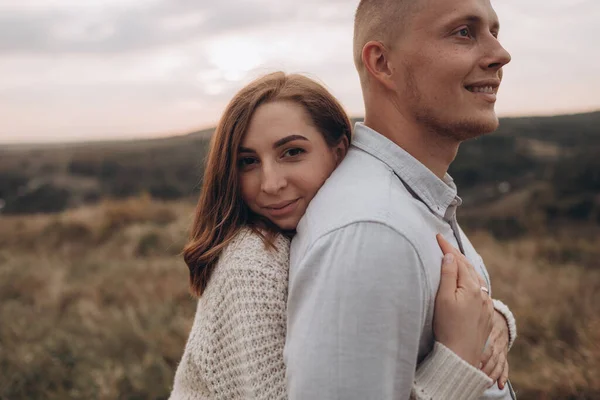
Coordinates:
<point>71,68</point>
<point>109,27</point>
<point>554,56</point>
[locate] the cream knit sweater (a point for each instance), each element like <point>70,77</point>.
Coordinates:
<point>235,347</point>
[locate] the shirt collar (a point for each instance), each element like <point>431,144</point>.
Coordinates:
<point>437,194</point>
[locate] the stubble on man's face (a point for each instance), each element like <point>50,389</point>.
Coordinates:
<point>434,65</point>
<point>432,120</point>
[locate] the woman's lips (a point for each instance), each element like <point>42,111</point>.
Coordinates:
<point>282,209</point>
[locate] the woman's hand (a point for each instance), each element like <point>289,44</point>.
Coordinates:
<point>494,361</point>
<point>463,315</point>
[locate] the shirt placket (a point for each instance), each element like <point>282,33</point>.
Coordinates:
<point>450,217</point>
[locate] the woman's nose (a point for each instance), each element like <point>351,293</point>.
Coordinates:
<point>273,180</point>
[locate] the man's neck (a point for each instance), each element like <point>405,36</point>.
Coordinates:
<point>433,150</point>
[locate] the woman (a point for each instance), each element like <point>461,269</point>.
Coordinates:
<point>278,141</point>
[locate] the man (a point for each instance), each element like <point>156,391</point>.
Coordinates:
<point>365,264</point>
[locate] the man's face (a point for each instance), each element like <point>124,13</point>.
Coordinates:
<point>448,67</point>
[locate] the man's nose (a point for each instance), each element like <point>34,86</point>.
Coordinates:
<point>273,180</point>
<point>496,55</point>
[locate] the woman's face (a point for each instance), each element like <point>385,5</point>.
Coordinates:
<point>283,161</point>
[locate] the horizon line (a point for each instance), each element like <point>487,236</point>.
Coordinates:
<point>212,127</point>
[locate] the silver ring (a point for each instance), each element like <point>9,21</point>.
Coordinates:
<point>484,289</point>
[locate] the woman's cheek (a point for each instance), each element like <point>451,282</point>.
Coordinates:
<point>248,185</point>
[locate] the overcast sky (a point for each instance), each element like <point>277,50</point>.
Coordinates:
<point>105,69</point>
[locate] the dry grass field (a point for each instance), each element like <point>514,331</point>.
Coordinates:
<point>94,304</point>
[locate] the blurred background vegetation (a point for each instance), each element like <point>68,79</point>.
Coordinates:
<point>93,291</point>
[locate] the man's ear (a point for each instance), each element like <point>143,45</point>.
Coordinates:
<point>341,149</point>
<point>375,58</point>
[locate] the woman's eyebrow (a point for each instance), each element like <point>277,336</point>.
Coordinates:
<point>288,139</point>
<point>279,143</point>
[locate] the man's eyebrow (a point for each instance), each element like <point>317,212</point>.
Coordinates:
<point>288,139</point>
<point>477,20</point>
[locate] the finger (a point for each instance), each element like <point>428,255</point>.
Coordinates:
<point>492,365</point>
<point>469,281</point>
<point>491,310</point>
<point>460,257</point>
<point>447,248</point>
<point>495,334</point>
<point>465,280</point>
<point>485,297</point>
<point>485,294</point>
<point>480,279</point>
<point>480,282</point>
<point>497,372</point>
<point>485,357</point>
<point>444,244</point>
<point>489,366</point>
<point>449,275</point>
<point>490,314</point>
<point>474,275</point>
<point>504,377</point>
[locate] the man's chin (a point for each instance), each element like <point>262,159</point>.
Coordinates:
<point>461,126</point>
<point>475,127</point>
<point>489,124</point>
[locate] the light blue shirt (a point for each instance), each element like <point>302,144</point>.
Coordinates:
<point>364,272</point>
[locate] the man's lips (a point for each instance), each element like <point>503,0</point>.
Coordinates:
<point>485,90</point>
<point>489,86</point>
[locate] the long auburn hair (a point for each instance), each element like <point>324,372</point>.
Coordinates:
<point>221,212</point>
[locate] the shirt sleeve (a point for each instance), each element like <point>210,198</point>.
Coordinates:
<point>355,316</point>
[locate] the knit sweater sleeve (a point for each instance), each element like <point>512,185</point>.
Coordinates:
<point>510,320</point>
<point>254,324</point>
<point>444,375</point>
<point>235,347</point>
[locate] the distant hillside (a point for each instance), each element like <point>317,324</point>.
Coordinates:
<point>560,151</point>
<point>570,131</point>
<point>534,173</point>
<point>50,178</point>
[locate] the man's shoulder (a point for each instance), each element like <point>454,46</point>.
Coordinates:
<point>359,188</point>
<point>362,189</point>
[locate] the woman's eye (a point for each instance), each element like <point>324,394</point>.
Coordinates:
<point>247,161</point>
<point>293,152</point>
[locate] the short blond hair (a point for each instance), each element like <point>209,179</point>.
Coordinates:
<point>380,20</point>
